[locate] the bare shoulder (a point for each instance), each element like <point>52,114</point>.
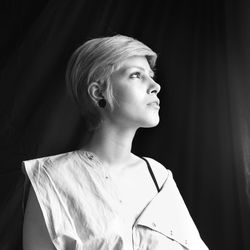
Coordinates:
<point>35,233</point>
<point>160,171</point>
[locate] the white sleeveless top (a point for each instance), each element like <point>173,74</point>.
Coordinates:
<point>81,212</point>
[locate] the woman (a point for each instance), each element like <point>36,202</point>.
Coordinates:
<point>103,196</point>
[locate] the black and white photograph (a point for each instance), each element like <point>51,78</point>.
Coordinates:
<point>125,125</point>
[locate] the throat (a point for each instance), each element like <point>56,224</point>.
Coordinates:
<point>111,144</point>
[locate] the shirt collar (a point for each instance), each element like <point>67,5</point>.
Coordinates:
<point>168,214</point>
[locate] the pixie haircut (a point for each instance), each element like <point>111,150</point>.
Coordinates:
<point>95,61</point>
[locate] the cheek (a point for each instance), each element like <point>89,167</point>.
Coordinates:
<point>121,93</point>
<point>126,95</point>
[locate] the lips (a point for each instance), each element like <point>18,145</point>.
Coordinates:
<point>154,104</point>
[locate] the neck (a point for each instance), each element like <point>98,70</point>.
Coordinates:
<point>111,144</point>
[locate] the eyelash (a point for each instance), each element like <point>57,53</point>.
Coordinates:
<point>139,75</point>
<point>136,75</point>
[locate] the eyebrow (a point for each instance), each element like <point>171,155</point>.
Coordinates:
<point>151,72</point>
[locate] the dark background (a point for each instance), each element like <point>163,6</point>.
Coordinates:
<point>203,68</point>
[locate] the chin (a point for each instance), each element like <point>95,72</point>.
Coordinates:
<point>150,120</point>
<point>150,124</point>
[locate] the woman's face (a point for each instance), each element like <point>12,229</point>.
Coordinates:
<point>135,92</point>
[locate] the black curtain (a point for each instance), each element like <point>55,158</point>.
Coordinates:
<point>203,68</point>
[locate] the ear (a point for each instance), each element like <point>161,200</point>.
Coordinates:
<point>95,92</point>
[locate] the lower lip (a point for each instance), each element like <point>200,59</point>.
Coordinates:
<point>154,105</point>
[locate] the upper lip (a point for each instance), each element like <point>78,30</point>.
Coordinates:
<point>157,101</point>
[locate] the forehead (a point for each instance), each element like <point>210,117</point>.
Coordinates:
<point>135,62</point>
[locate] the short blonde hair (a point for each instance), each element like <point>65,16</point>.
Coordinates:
<point>95,61</point>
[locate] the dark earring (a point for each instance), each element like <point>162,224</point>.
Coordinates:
<point>102,103</point>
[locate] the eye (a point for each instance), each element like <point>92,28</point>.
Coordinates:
<point>152,76</point>
<point>136,75</point>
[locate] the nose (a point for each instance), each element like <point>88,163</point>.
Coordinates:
<point>154,87</point>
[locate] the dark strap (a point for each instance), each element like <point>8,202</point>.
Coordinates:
<point>152,175</point>
<point>26,189</point>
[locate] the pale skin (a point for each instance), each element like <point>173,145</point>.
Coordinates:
<point>135,90</point>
